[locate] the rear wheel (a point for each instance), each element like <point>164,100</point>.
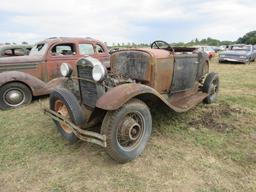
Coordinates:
<point>211,86</point>
<point>13,95</point>
<point>65,103</point>
<point>128,130</point>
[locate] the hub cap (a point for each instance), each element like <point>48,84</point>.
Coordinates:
<point>14,97</point>
<point>61,108</point>
<point>130,131</point>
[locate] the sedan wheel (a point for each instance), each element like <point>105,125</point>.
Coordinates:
<point>14,95</point>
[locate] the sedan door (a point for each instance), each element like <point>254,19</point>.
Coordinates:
<point>58,54</point>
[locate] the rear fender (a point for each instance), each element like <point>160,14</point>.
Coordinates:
<point>121,94</point>
<point>36,85</point>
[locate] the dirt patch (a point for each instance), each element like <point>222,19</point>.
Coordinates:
<point>220,117</point>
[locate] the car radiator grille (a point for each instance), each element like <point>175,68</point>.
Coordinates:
<point>88,89</point>
<point>232,56</point>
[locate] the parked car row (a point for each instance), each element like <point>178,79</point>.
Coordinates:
<point>238,54</point>
<point>207,49</point>
<point>106,99</point>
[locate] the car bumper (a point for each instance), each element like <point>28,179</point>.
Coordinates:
<point>84,135</point>
<point>237,60</point>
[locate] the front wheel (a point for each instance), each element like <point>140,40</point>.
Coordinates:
<point>65,103</point>
<point>127,130</point>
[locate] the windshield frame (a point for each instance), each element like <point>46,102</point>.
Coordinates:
<point>242,48</point>
<point>35,52</point>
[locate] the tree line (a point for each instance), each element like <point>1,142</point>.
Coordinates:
<point>248,38</point>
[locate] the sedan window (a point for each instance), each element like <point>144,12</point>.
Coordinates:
<point>63,49</point>
<point>241,48</point>
<point>99,49</point>
<point>86,49</point>
<point>8,52</point>
<point>19,52</point>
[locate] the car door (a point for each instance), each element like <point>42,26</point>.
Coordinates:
<point>60,53</point>
<point>185,72</point>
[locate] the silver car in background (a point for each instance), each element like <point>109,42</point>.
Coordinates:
<point>238,54</point>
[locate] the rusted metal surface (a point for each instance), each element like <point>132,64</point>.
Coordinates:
<point>187,99</point>
<point>116,97</point>
<point>162,74</point>
<point>157,80</point>
<point>133,64</point>
<point>168,76</point>
<point>84,135</point>
<point>37,71</point>
<point>154,70</point>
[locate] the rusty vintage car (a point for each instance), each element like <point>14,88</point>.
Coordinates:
<point>37,74</point>
<point>112,108</point>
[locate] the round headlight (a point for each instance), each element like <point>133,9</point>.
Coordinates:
<point>98,72</point>
<point>65,70</point>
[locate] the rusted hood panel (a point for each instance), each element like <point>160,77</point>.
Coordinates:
<point>155,53</point>
<point>121,94</point>
<point>20,59</point>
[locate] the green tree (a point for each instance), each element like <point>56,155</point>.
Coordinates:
<point>248,38</point>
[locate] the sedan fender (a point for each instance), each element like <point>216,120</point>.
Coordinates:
<point>36,85</point>
<point>121,94</point>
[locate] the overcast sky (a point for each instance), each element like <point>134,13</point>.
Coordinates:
<point>126,20</point>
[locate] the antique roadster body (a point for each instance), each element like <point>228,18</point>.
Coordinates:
<point>112,108</point>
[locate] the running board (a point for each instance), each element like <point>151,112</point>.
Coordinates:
<point>84,135</point>
<point>188,102</point>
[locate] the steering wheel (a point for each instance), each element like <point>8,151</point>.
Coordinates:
<point>161,45</point>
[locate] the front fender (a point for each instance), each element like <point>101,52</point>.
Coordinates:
<point>36,85</point>
<point>121,94</point>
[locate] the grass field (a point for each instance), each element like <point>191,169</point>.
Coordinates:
<point>210,148</point>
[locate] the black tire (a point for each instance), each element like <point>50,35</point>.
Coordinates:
<point>74,110</point>
<point>20,90</point>
<point>247,62</point>
<point>110,128</point>
<point>211,86</point>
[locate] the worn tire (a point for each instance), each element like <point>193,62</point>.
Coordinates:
<point>211,80</point>
<point>247,62</point>
<point>21,89</point>
<point>110,129</point>
<point>74,111</point>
